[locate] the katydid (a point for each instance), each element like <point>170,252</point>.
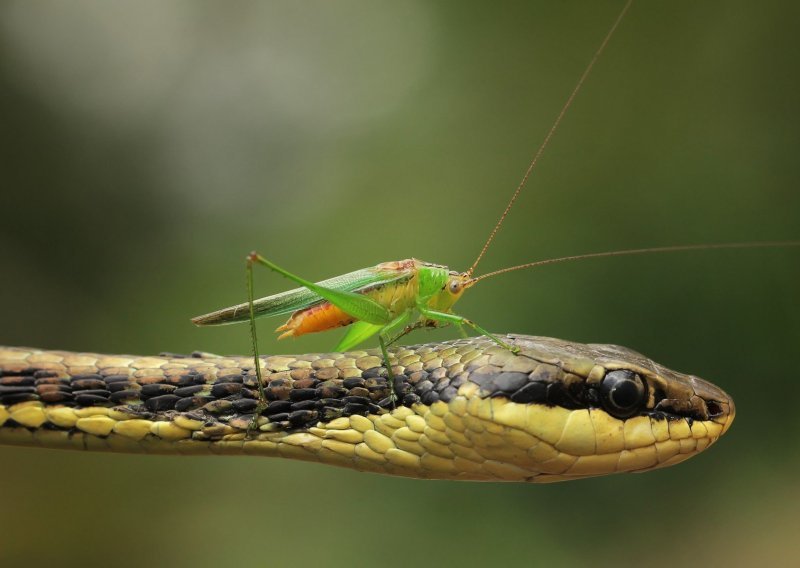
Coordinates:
<point>394,298</point>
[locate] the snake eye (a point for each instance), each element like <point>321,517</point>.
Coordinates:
<point>622,393</point>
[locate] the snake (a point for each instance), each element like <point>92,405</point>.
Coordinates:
<point>464,409</point>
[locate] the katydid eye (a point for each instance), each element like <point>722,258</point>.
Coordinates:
<point>455,286</point>
<point>623,392</point>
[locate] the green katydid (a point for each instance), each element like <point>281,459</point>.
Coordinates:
<point>393,298</point>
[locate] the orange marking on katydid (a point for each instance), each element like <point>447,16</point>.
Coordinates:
<point>321,317</point>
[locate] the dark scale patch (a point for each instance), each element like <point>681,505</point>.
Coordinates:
<point>429,397</point>
<point>250,382</point>
<point>222,390</point>
<point>374,372</point>
<point>559,394</point>
<point>441,384</point>
<point>126,396</point>
<point>351,408</point>
<point>230,378</point>
<point>483,380</point>
<point>110,379</point>
<point>188,379</point>
<point>304,405</point>
<point>94,382</point>
<point>302,417</point>
<point>245,405</point>
<point>410,399</point>
<point>19,381</point>
<point>52,381</point>
<point>188,391</point>
<point>353,382</point>
<point>82,399</point>
<point>56,397</point>
<point>96,392</point>
<point>360,391</point>
<point>277,393</point>
<point>156,389</point>
<point>459,379</point>
<point>6,390</point>
<point>510,382</point>
<point>44,374</point>
<point>218,406</point>
<point>277,407</point>
<point>16,398</point>
<point>399,384</point>
<point>192,403</point>
<point>121,386</point>
<point>302,394</point>
<point>448,394</point>
<point>26,371</point>
<point>161,403</point>
<point>329,389</point>
<point>532,392</point>
<point>327,414</point>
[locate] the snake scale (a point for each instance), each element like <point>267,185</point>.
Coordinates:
<point>467,409</point>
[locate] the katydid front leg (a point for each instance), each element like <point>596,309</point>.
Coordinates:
<point>459,320</point>
<point>419,324</point>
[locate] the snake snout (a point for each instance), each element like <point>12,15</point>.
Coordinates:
<point>719,405</point>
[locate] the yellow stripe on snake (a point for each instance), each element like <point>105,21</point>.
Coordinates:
<point>468,409</point>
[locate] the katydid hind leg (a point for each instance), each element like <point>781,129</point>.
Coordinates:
<point>390,377</point>
<point>262,398</point>
<point>356,305</point>
<point>383,340</point>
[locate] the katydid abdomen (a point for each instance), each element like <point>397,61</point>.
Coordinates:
<point>397,297</point>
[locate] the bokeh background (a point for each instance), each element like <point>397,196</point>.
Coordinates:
<point>146,147</point>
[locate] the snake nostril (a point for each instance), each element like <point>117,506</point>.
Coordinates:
<point>714,409</point>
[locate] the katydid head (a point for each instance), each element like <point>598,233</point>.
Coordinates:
<point>449,286</point>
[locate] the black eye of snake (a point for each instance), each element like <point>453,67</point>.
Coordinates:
<point>622,392</point>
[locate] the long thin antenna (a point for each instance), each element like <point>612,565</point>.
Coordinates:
<point>547,138</point>
<point>678,248</point>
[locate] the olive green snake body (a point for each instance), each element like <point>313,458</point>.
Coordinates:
<point>467,409</point>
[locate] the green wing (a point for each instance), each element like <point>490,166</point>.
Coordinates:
<point>300,298</point>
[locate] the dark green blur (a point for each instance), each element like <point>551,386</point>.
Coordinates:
<point>147,147</point>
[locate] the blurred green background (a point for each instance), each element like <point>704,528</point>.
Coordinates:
<point>148,146</point>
